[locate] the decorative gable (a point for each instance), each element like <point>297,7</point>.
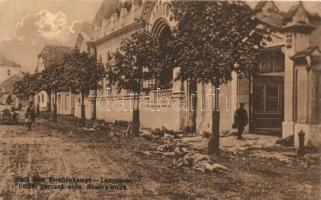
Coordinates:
<point>270,8</point>
<point>316,53</point>
<point>266,7</point>
<point>300,16</point>
<point>268,13</point>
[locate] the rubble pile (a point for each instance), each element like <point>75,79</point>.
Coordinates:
<point>106,127</point>
<point>199,162</point>
<point>157,133</point>
<point>288,141</point>
<point>120,123</point>
<point>184,155</point>
<point>116,128</point>
<point>183,151</point>
<point>312,159</point>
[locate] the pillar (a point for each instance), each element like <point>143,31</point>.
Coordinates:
<point>234,101</point>
<point>295,42</point>
<point>177,84</point>
<point>313,104</point>
<point>178,95</point>
<point>288,123</point>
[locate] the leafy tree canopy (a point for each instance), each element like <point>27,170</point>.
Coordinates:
<point>214,38</point>
<point>27,86</point>
<point>135,61</point>
<point>83,72</point>
<point>53,79</point>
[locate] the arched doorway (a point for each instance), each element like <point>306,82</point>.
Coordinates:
<point>162,32</point>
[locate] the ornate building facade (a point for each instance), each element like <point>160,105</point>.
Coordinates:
<point>282,99</point>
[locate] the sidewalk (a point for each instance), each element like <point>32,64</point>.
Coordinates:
<point>254,145</point>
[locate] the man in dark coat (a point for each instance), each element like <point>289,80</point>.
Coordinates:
<point>240,120</point>
<point>30,115</point>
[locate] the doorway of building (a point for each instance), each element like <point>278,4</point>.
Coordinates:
<point>268,105</point>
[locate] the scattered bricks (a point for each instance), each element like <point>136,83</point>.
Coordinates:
<point>147,135</point>
<point>184,156</point>
<point>161,147</point>
<point>311,159</point>
<point>288,141</point>
<point>206,166</point>
<point>166,135</point>
<point>171,154</point>
<point>89,129</point>
<point>177,151</point>
<point>102,127</point>
<point>158,132</point>
<point>206,134</point>
<point>120,124</point>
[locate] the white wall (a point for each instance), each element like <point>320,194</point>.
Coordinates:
<point>8,71</point>
<point>42,99</point>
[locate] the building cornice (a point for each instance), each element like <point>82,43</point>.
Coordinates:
<point>272,48</point>
<point>119,32</point>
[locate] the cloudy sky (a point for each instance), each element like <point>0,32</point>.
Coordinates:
<point>26,26</point>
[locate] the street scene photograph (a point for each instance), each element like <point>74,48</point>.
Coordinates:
<point>160,99</point>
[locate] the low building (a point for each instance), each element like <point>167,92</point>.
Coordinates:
<point>48,56</point>
<point>85,43</point>
<point>7,96</point>
<point>8,68</point>
<point>10,73</point>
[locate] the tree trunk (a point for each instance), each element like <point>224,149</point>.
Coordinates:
<point>136,121</point>
<point>95,107</point>
<point>82,110</point>
<point>54,117</point>
<point>38,105</point>
<point>191,122</point>
<point>214,142</point>
<point>49,101</point>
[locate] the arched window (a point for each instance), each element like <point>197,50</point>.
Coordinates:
<point>167,10</point>
<point>166,75</point>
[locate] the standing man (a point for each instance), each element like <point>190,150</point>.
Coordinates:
<point>240,120</point>
<point>30,115</point>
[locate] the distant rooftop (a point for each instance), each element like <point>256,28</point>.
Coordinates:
<point>268,12</point>
<point>7,85</point>
<point>52,54</point>
<point>6,62</point>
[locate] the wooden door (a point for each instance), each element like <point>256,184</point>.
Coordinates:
<point>268,108</point>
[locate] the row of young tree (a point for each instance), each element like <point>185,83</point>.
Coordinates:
<point>212,40</point>
<point>79,73</point>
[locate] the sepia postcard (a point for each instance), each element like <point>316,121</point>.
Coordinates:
<point>160,99</point>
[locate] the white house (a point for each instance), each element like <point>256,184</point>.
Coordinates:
<point>49,55</point>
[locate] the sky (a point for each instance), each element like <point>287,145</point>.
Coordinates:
<point>26,26</point>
